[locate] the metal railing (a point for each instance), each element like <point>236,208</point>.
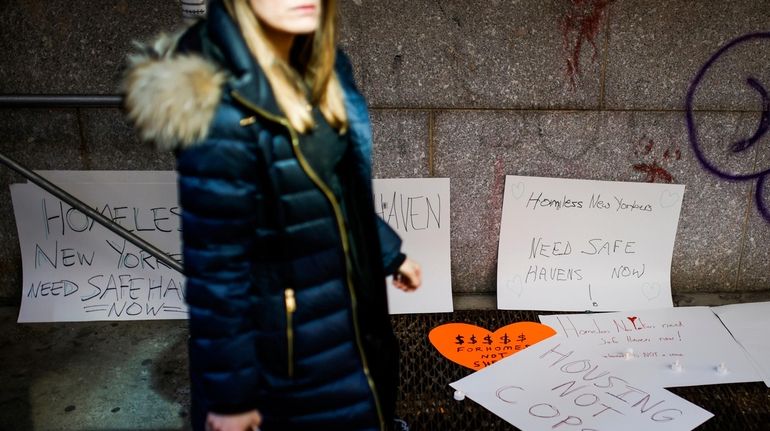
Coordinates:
<point>77,101</point>
<point>61,100</point>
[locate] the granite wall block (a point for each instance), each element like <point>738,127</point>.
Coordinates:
<point>112,144</point>
<point>755,259</point>
<point>657,48</point>
<point>401,147</point>
<point>75,46</point>
<point>476,53</point>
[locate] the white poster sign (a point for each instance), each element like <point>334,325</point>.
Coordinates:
<point>559,384</point>
<point>76,270</point>
<point>669,347</point>
<point>146,203</point>
<point>748,323</point>
<point>418,209</point>
<point>586,245</point>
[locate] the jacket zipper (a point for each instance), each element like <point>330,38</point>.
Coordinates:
<point>340,226</point>
<point>291,307</point>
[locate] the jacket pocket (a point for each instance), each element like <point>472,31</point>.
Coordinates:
<point>291,307</point>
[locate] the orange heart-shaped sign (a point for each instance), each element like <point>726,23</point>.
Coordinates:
<point>475,347</point>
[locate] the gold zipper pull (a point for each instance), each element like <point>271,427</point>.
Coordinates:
<point>248,121</point>
<point>291,307</point>
<point>291,303</point>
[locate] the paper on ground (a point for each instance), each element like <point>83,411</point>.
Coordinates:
<point>586,245</point>
<point>749,323</point>
<point>418,210</point>
<point>693,336</point>
<point>559,384</point>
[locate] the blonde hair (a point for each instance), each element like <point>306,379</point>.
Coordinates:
<point>314,57</point>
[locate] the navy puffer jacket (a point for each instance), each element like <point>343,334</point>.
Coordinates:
<point>279,319</point>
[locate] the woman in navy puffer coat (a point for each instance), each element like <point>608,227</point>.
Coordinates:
<point>284,257</point>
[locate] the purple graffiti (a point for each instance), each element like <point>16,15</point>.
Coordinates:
<point>741,145</point>
<point>764,122</point>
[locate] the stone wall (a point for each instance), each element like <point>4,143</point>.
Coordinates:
<point>471,90</point>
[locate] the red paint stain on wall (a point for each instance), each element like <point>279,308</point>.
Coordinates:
<point>579,25</point>
<point>654,170</point>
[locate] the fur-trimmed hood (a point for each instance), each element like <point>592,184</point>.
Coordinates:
<point>171,97</point>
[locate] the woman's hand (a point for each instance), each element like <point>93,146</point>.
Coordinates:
<point>248,421</point>
<point>409,276</point>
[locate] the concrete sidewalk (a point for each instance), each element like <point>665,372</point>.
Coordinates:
<point>93,376</point>
<point>133,376</point>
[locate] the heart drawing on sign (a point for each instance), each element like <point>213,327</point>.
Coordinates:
<point>517,190</point>
<point>668,199</point>
<point>515,286</point>
<point>475,347</point>
<point>651,290</point>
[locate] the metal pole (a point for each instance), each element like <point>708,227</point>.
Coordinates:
<point>90,212</point>
<point>61,100</point>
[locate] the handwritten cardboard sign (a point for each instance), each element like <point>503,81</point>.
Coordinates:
<point>748,324</point>
<point>559,384</point>
<point>586,245</point>
<point>76,270</point>
<point>418,209</point>
<point>474,347</point>
<point>669,347</point>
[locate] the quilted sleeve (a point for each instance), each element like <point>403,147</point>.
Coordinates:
<point>390,244</point>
